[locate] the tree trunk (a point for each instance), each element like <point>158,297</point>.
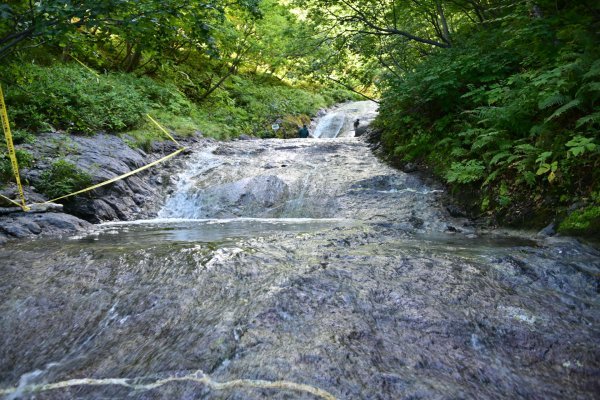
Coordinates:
<point>444,23</point>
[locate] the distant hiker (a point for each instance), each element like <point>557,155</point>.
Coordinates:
<point>356,123</point>
<point>303,132</point>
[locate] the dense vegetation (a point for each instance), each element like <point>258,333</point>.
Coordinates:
<point>498,97</point>
<point>509,115</point>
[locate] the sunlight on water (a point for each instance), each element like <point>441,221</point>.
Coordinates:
<point>210,230</point>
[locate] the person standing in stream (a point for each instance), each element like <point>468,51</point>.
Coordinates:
<point>303,132</point>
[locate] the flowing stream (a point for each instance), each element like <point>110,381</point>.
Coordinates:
<point>300,269</point>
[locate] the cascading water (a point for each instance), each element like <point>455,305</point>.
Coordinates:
<point>330,125</point>
<point>299,269</point>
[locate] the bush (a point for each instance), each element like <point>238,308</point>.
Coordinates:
<point>63,178</point>
<point>511,111</point>
<point>24,159</point>
<point>71,98</point>
<point>582,222</point>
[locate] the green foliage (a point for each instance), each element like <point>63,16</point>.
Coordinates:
<point>511,111</point>
<point>24,159</point>
<point>470,171</point>
<point>579,145</point>
<point>582,222</point>
<point>69,97</point>
<point>62,178</point>
<point>129,29</point>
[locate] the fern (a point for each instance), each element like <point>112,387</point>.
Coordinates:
<point>484,140</point>
<point>471,171</point>
<point>555,99</point>
<point>525,148</point>
<point>498,157</point>
<point>593,86</point>
<point>491,177</point>
<point>458,152</point>
<point>560,111</point>
<point>594,70</point>
<point>591,118</point>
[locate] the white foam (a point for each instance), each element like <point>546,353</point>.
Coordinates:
<point>158,221</point>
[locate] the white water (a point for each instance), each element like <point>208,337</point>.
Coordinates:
<point>330,125</point>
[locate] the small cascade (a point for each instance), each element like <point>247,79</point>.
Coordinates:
<point>330,125</point>
<point>272,178</point>
<point>184,202</point>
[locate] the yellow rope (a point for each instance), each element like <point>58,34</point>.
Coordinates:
<point>11,150</point>
<point>12,201</point>
<point>163,129</point>
<point>12,155</point>
<point>85,66</point>
<point>116,178</point>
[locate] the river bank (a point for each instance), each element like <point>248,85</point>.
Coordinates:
<point>102,157</point>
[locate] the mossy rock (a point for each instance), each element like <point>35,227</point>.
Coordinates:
<point>583,222</point>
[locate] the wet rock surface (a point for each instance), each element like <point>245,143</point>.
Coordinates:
<point>103,157</point>
<point>317,265</point>
<point>368,311</point>
<point>305,178</point>
<point>25,225</point>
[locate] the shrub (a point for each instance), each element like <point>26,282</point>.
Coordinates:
<point>70,97</point>
<point>63,178</point>
<point>511,112</point>
<point>582,222</point>
<point>24,159</point>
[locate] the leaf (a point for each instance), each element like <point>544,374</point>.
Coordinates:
<point>543,157</point>
<point>579,144</point>
<point>572,104</point>
<point>470,171</point>
<point>490,178</point>
<point>543,169</point>
<point>593,118</point>
<point>529,178</point>
<point>526,148</point>
<point>554,99</point>
<point>498,157</point>
<point>594,70</point>
<point>577,150</point>
<point>484,140</point>
<point>593,87</point>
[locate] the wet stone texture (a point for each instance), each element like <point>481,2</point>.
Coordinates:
<point>362,312</point>
<point>381,301</point>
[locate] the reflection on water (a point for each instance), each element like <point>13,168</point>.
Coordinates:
<point>208,230</point>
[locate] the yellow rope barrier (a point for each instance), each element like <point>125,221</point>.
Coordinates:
<point>10,200</point>
<point>163,129</point>
<point>85,66</point>
<point>128,174</point>
<point>11,150</point>
<point>15,166</point>
<point>116,178</point>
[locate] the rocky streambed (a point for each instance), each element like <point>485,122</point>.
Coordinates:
<point>301,268</point>
<point>102,157</point>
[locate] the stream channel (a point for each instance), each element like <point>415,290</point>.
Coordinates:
<point>300,269</point>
